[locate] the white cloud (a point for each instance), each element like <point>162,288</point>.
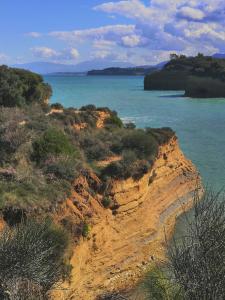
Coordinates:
<point>131,40</point>
<point>192,13</point>
<point>94,33</point>
<point>128,8</point>
<point>44,52</point>
<point>49,53</point>
<point>102,54</point>
<point>34,34</point>
<point>155,26</point>
<point>168,25</point>
<point>3,58</point>
<point>103,44</point>
<point>71,53</point>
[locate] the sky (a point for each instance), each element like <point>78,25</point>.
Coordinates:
<point>136,31</point>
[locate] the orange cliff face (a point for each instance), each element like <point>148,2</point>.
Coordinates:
<point>122,242</point>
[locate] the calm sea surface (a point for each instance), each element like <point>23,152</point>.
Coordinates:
<point>199,123</point>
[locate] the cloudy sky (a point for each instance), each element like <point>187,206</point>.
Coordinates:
<point>136,31</point>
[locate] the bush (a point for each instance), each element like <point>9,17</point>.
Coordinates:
<point>106,202</point>
<point>31,255</point>
<point>129,166</point>
<point>143,144</point>
<point>114,120</point>
<point>89,107</point>
<point>94,145</point>
<point>57,106</point>
<point>53,142</point>
<point>130,125</point>
<point>86,230</point>
<point>158,286</point>
<point>197,259</point>
<point>162,135</point>
<point>63,168</point>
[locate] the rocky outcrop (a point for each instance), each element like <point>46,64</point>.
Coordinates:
<point>124,240</point>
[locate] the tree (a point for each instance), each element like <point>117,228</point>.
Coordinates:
<point>21,87</point>
<point>200,55</point>
<point>173,56</point>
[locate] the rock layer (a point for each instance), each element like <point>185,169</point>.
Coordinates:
<point>123,242</point>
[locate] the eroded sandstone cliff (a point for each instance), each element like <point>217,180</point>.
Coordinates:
<point>123,241</point>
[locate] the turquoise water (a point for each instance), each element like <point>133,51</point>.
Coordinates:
<point>199,123</point>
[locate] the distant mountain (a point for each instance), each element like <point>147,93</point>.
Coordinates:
<point>101,64</point>
<point>48,67</point>
<point>219,55</point>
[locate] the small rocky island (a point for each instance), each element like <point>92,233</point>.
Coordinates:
<point>200,76</point>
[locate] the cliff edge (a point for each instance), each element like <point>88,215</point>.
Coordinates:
<point>124,240</point>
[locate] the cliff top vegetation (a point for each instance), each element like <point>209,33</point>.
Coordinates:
<point>44,148</point>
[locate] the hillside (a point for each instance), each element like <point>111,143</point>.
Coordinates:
<point>96,178</point>
<point>136,71</point>
<point>200,76</point>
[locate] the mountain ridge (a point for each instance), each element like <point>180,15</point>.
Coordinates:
<point>51,67</point>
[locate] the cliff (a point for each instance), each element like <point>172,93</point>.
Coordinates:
<point>123,240</point>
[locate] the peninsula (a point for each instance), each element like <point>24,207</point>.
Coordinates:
<point>111,187</point>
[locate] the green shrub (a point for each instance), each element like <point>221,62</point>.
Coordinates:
<point>63,168</point>
<point>53,142</point>
<point>114,120</point>
<point>129,166</point>
<point>161,135</point>
<point>86,230</point>
<point>143,144</point>
<point>89,107</point>
<point>33,192</point>
<point>130,125</point>
<point>57,106</point>
<point>106,202</point>
<point>32,255</point>
<point>159,286</point>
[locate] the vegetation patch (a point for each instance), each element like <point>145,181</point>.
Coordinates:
<point>32,259</point>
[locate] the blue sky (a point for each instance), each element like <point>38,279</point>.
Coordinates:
<point>136,31</point>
